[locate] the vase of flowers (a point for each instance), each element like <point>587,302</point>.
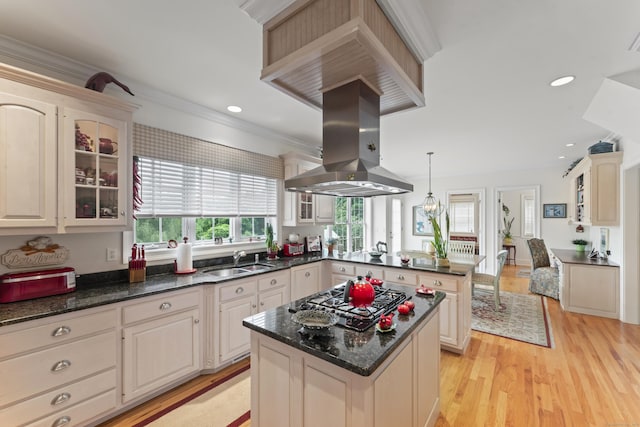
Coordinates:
<point>331,243</point>
<point>507,223</point>
<point>440,240</point>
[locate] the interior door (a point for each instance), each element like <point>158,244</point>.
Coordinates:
<point>395,226</point>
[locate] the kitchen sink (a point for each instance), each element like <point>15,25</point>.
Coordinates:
<point>236,271</point>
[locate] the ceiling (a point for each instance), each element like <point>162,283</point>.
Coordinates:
<point>489,107</point>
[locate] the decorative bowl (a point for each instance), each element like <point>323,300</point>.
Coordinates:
<point>315,320</point>
<point>375,254</point>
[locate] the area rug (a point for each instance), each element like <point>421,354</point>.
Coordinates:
<point>217,405</point>
<point>520,317</point>
<point>523,273</point>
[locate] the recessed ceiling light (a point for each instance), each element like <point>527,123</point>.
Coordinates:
<point>570,144</point>
<point>234,108</point>
<point>561,81</point>
<point>561,157</point>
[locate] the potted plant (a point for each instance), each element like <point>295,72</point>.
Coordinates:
<point>331,241</point>
<point>440,241</point>
<point>580,244</point>
<point>506,230</point>
<point>272,246</point>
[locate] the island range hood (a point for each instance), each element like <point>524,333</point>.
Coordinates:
<point>350,148</point>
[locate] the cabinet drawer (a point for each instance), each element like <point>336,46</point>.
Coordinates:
<point>274,280</point>
<point>345,269</point>
<point>56,332</point>
<point>59,399</point>
<point>32,373</point>
<point>401,277</point>
<point>237,289</point>
<point>77,415</point>
<point>168,303</point>
<point>439,283</point>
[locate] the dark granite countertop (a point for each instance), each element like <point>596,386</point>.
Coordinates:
<point>568,256</point>
<point>358,352</point>
<point>98,289</point>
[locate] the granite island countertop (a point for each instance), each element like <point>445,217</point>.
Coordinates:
<point>358,352</point>
<point>98,289</point>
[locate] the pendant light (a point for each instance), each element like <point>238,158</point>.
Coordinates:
<point>430,204</point>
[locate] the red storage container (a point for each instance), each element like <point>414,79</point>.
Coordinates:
<point>36,284</point>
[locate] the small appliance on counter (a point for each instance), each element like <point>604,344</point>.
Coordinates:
<point>293,249</point>
<point>36,284</point>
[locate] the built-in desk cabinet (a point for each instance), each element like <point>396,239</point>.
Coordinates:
<point>66,157</point>
<point>594,190</point>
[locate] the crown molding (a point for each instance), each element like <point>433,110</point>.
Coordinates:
<point>263,10</point>
<point>636,43</point>
<point>36,60</point>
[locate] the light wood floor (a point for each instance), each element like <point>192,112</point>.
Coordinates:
<point>590,378</point>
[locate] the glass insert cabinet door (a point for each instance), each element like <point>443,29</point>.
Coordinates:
<point>99,169</point>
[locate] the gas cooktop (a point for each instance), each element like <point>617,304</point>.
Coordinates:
<point>350,317</point>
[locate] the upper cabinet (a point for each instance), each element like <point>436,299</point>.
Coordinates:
<point>595,190</point>
<point>305,208</point>
<point>65,157</point>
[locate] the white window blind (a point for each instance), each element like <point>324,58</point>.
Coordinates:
<point>172,189</point>
<point>528,216</point>
<point>463,213</point>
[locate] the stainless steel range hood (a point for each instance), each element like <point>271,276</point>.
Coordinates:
<point>350,148</point>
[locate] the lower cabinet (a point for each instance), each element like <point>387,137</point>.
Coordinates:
<point>161,342</point>
<point>449,319</point>
<point>590,289</point>
<point>59,370</point>
<point>305,280</point>
<point>240,299</point>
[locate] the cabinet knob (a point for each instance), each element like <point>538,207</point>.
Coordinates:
<point>261,302</point>
<point>342,269</point>
<point>61,421</point>
<point>196,321</point>
<point>61,398</point>
<point>273,281</point>
<point>437,283</point>
<point>239,290</point>
<point>253,306</point>
<point>62,330</point>
<point>121,213</point>
<point>60,366</point>
<point>307,274</point>
<point>165,306</point>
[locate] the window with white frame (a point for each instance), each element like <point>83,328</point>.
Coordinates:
<point>528,213</point>
<point>464,214</point>
<point>350,223</point>
<point>206,205</point>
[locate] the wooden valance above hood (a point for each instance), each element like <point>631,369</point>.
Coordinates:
<point>316,45</point>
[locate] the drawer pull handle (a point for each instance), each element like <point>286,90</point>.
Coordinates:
<point>165,306</point>
<point>60,366</point>
<point>342,269</point>
<point>274,281</point>
<point>400,277</point>
<point>307,274</point>
<point>61,421</point>
<point>437,283</point>
<point>239,290</point>
<point>261,302</point>
<point>62,330</point>
<point>196,321</point>
<point>61,398</point>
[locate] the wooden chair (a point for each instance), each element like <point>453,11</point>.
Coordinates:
<point>462,247</point>
<point>490,279</point>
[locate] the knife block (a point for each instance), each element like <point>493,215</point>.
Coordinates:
<point>137,274</point>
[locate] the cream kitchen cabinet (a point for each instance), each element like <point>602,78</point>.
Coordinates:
<point>595,190</point>
<point>161,342</point>
<point>305,280</point>
<point>59,370</point>
<point>66,156</point>
<point>237,300</point>
<point>305,208</point>
<point>28,135</point>
<point>341,272</point>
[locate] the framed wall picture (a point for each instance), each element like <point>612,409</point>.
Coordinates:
<point>421,224</point>
<point>554,210</point>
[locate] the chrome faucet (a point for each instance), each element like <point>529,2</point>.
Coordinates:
<point>236,257</point>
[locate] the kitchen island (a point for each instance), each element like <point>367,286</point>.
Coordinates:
<point>348,378</point>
